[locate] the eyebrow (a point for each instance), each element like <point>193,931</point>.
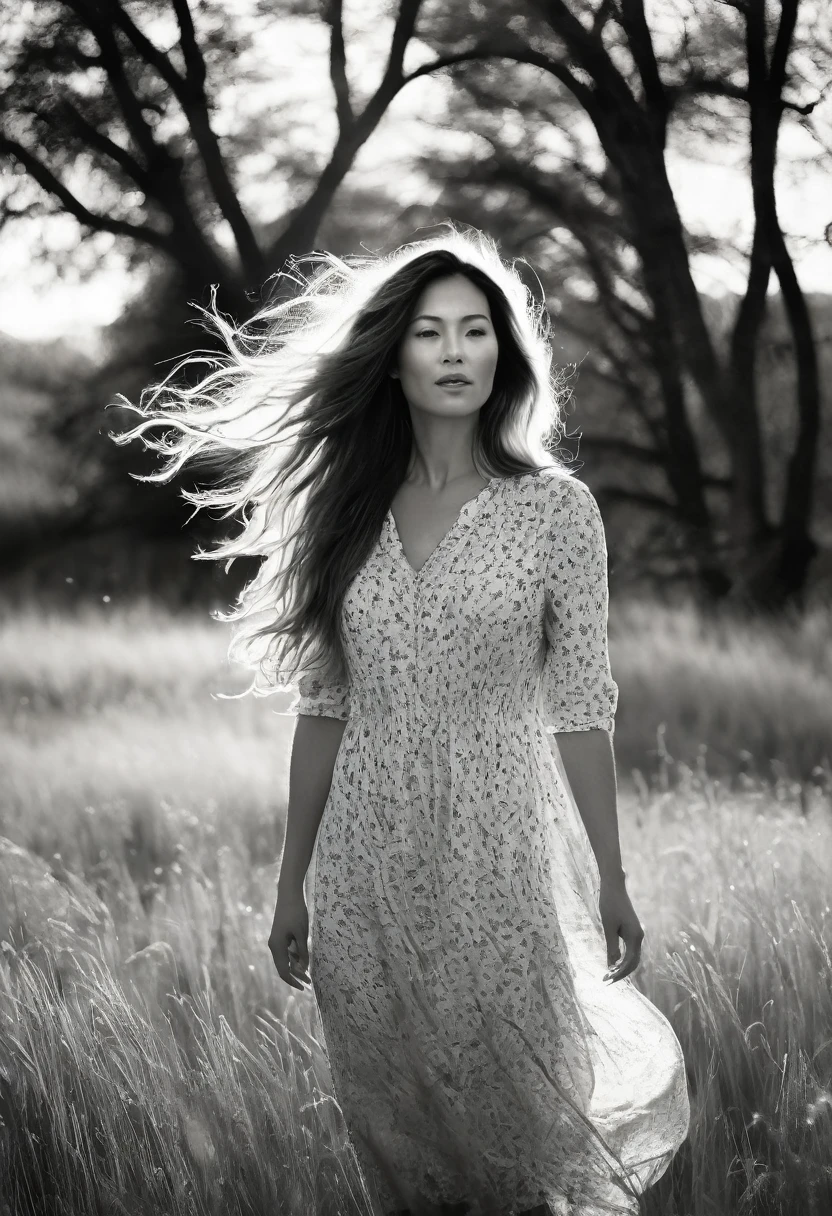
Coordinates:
<point>472,316</point>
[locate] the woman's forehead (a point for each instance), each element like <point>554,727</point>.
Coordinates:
<point>452,298</point>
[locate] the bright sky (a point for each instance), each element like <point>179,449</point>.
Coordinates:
<point>714,198</point>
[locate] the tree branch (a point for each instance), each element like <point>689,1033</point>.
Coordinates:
<point>402,33</point>
<point>782,48</point>
<point>195,70</point>
<point>90,219</point>
<point>338,66</point>
<point>189,91</point>
<point>113,64</point>
<point>104,144</point>
<point>582,226</point>
<point>635,27</point>
<point>698,82</point>
<point>306,219</point>
<point>150,53</point>
<point>606,9</point>
<point>516,52</point>
<point>9,213</point>
<point>393,79</point>
<point>588,49</point>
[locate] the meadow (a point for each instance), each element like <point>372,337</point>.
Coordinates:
<point>151,1060</point>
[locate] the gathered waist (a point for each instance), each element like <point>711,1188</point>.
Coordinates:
<point>471,712</point>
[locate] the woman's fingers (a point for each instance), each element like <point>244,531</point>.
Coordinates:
<point>632,936</point>
<point>284,970</point>
<point>619,920</point>
<point>288,938</point>
<point>299,961</point>
<point>287,963</point>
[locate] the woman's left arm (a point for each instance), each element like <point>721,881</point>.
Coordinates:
<point>590,768</point>
<point>589,762</point>
<point>579,696</point>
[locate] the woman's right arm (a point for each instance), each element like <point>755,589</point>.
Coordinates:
<point>314,750</point>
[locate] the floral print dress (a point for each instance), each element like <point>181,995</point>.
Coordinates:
<point>456,948</point>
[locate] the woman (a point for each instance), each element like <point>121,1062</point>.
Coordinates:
<point>452,759</point>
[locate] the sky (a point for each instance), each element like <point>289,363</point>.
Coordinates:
<point>713,195</point>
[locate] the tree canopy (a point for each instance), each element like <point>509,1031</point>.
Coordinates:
<point>114,113</point>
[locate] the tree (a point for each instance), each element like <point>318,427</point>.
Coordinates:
<point>109,116</point>
<point>601,60</point>
<point>94,86</point>
<point>767,77</point>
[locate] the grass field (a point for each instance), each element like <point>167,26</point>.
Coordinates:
<point>151,1061</point>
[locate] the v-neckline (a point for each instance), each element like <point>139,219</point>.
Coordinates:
<point>466,511</point>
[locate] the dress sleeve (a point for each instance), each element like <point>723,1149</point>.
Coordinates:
<point>576,686</point>
<point>320,698</point>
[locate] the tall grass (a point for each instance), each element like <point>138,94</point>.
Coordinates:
<point>750,695</point>
<point>152,1061</point>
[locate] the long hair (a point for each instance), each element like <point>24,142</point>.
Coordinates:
<point>312,437</point>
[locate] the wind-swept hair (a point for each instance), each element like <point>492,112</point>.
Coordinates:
<point>312,437</point>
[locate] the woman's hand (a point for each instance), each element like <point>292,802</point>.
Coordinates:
<point>289,936</point>
<point>619,920</point>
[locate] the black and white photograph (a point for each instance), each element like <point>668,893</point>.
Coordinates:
<point>415,608</point>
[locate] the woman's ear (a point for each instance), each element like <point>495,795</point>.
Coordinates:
<point>394,375</point>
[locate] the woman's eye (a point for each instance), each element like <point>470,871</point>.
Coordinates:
<point>427,333</point>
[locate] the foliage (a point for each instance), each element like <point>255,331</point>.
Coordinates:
<point>573,115</point>
<point>562,117</point>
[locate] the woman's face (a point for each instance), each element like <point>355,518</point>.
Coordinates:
<point>449,334</point>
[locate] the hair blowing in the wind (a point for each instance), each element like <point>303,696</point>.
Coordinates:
<point>308,437</point>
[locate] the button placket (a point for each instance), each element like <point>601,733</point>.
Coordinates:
<point>423,600</point>
<point>420,615</point>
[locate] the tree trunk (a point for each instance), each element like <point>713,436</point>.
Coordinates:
<point>785,577</point>
<point>659,238</point>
